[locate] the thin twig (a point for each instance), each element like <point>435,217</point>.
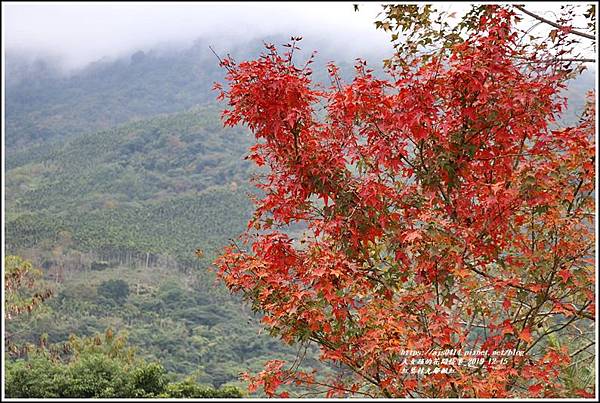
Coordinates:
<point>554,24</point>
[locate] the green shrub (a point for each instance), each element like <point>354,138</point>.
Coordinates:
<point>189,388</point>
<point>116,290</point>
<point>97,367</point>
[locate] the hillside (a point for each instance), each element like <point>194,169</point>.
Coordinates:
<point>106,93</point>
<point>45,105</point>
<point>133,204</point>
<point>136,186</point>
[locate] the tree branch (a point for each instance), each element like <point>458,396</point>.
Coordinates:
<point>554,24</point>
<point>572,59</point>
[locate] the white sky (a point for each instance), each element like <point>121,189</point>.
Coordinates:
<point>79,33</point>
<point>83,32</point>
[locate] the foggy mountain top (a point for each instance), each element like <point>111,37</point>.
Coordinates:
<point>56,38</point>
<point>71,36</point>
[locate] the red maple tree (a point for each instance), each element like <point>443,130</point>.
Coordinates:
<point>444,209</point>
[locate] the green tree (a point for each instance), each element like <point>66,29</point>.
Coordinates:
<point>97,367</point>
<point>116,290</point>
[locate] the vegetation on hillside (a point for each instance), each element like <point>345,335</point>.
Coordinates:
<point>124,224</point>
<point>102,366</point>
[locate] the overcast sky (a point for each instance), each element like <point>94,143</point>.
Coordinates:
<point>79,33</point>
<point>84,32</point>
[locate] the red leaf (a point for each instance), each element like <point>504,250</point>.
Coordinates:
<point>536,389</point>
<point>565,274</point>
<point>507,328</point>
<point>525,335</point>
<point>413,235</point>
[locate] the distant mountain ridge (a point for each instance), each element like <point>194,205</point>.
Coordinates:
<point>44,105</point>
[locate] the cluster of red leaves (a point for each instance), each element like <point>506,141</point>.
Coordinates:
<point>443,209</point>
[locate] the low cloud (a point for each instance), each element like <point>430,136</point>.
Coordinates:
<point>79,33</point>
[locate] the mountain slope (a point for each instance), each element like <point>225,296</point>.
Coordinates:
<point>44,105</point>
<point>105,94</point>
<point>133,204</point>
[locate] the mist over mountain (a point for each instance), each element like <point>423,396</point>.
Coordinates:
<point>83,33</point>
<point>44,104</point>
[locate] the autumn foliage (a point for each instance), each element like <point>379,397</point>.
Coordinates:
<point>442,208</point>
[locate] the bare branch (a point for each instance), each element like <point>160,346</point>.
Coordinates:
<point>554,24</point>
